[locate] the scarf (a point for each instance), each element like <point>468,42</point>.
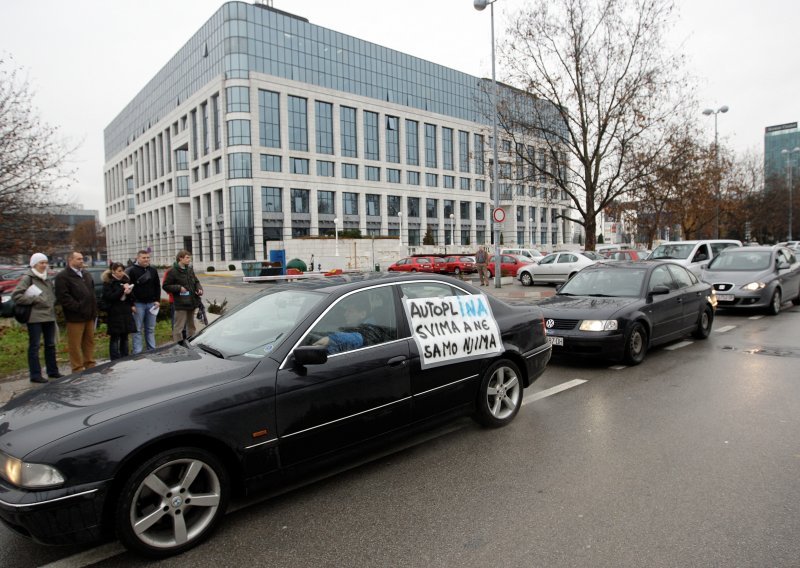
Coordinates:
<point>41,275</point>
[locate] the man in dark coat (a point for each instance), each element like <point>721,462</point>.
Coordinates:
<point>186,290</point>
<point>147,298</point>
<point>75,293</point>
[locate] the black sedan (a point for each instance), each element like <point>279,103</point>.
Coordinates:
<point>619,310</point>
<point>153,446</point>
<point>755,278</point>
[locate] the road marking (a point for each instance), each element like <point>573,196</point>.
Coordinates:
<point>678,345</point>
<point>551,391</point>
<point>755,317</point>
<point>725,328</point>
<point>618,367</point>
<point>88,557</point>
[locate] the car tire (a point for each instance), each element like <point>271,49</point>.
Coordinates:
<point>413,270</point>
<point>172,502</point>
<point>457,271</point>
<point>774,307</point>
<point>635,345</point>
<point>526,279</point>
<point>500,394</point>
<point>704,325</point>
<point>796,299</point>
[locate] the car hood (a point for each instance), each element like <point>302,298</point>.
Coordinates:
<point>736,277</point>
<point>108,391</point>
<point>583,307</point>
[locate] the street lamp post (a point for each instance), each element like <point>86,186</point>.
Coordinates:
<point>336,233</point>
<point>480,5</point>
<point>788,154</point>
<point>707,112</point>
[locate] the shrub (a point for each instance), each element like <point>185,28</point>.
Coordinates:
<point>231,267</point>
<point>209,269</point>
<point>215,308</point>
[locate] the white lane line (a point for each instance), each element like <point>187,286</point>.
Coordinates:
<point>618,367</point>
<point>725,328</point>
<point>551,391</point>
<point>88,557</point>
<point>678,345</point>
<point>755,317</point>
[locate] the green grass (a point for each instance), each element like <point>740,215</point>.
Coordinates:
<point>14,346</point>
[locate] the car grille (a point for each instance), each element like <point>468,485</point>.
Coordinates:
<point>551,323</point>
<point>722,286</point>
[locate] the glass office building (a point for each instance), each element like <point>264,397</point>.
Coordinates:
<point>265,127</point>
<point>776,139</point>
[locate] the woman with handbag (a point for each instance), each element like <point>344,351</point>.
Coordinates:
<point>119,302</point>
<point>36,290</point>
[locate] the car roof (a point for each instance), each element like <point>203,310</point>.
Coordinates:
<point>354,281</point>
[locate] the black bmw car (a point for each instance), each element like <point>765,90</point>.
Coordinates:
<point>618,310</point>
<point>152,447</point>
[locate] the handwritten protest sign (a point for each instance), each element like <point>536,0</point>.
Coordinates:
<point>453,328</point>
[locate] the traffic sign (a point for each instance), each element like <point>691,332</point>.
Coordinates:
<point>499,215</point>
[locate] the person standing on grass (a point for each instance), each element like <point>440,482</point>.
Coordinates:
<point>36,290</point>
<point>75,293</point>
<point>118,296</point>
<point>147,298</point>
<point>187,293</point>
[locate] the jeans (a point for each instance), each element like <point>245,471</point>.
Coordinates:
<point>35,332</point>
<point>144,319</point>
<point>117,346</point>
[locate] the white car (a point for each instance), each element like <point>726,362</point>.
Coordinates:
<point>694,255</point>
<point>532,255</point>
<point>556,267</point>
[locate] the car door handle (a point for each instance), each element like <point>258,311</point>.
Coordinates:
<point>398,361</point>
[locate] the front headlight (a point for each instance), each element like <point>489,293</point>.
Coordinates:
<point>598,325</point>
<point>753,286</point>
<point>28,475</point>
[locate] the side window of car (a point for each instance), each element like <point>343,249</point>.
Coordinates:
<point>660,277</point>
<point>549,259</point>
<point>701,254</point>
<point>681,276</point>
<point>425,290</point>
<point>359,320</point>
<point>567,258</point>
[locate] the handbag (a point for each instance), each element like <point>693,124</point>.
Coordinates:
<point>22,312</point>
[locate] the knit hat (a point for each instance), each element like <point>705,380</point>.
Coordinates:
<point>36,258</point>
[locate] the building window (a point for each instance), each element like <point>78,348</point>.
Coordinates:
<point>182,185</point>
<point>412,178</point>
<point>270,163</point>
<point>238,132</point>
<point>447,148</point>
<point>269,119</point>
<point>449,207</point>
<point>432,208</point>
<point>240,165</point>
<point>506,146</point>
<point>480,185</point>
<point>300,201</point>
<point>326,202</point>
<point>216,121</point>
<point>413,206</point>
<point>463,151</point>
<point>430,145</point>
<point>181,160</point>
<point>350,203</point>
<point>238,99</point>
<point>371,173</point>
<point>392,175</point>
<point>392,139</point>
<point>464,210</point>
<point>298,123</point>
<point>298,166</point>
<point>412,142</point>
<point>350,171</point>
<point>217,165</point>
<point>465,184</point>
<point>413,237</point>
<point>371,146</point>
<point>347,121</point>
<point>449,182</point>
<point>373,205</point>
<point>324,128</point>
<point>392,205</point>
<point>479,163</point>
<point>271,199</point>
<point>480,236</point>
<point>324,169</point>
<point>431,180</point>
<point>242,234</point>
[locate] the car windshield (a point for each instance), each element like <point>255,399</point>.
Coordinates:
<point>742,261</point>
<point>606,281</point>
<point>678,250</point>
<point>257,328</point>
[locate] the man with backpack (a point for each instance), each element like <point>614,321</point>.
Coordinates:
<point>147,298</point>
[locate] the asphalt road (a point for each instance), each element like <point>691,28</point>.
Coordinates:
<point>689,459</point>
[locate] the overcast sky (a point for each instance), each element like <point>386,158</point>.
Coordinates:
<point>88,58</point>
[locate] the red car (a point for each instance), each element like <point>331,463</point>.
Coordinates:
<point>413,264</point>
<point>459,264</point>
<point>509,265</point>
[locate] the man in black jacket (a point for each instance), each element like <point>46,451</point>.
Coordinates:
<point>146,297</point>
<point>75,293</point>
<point>181,282</point>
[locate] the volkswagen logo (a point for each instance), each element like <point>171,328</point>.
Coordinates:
<point>550,323</point>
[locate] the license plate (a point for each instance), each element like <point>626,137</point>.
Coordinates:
<point>555,340</point>
<point>725,297</point>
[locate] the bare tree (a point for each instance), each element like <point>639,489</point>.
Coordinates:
<point>33,169</point>
<point>89,237</point>
<point>611,88</point>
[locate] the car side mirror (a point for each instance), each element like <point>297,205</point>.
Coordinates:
<point>311,355</point>
<point>659,290</point>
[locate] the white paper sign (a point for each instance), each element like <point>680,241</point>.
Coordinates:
<point>32,291</point>
<point>453,328</point>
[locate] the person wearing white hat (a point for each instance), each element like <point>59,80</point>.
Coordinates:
<point>37,290</point>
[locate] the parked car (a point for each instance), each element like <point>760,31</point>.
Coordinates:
<point>412,264</point>
<point>532,255</point>
<point>153,446</point>
<point>619,310</point>
<point>509,264</point>
<point>555,268</point>
<point>694,255</point>
<point>458,264</point>
<point>623,254</point>
<point>755,277</point>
